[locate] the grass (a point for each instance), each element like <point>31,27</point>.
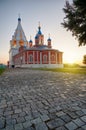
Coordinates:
<point>2,70</point>
<point>76,70</point>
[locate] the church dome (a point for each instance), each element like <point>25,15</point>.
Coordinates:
<point>49,39</point>
<point>30,41</point>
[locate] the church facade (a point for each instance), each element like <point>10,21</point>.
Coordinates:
<point>33,55</point>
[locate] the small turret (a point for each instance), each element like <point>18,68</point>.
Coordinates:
<point>49,42</point>
<point>39,38</point>
<point>30,42</point>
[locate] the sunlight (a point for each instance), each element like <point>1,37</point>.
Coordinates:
<point>71,59</point>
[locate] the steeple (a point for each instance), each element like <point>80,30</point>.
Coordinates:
<point>49,41</point>
<point>19,35</point>
<point>39,29</point>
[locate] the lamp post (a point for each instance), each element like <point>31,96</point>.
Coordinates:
<point>21,60</point>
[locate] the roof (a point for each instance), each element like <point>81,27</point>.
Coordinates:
<point>41,48</point>
<point>19,33</point>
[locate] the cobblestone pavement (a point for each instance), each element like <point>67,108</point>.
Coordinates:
<point>41,100</point>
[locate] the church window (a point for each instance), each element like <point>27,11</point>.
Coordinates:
<point>30,58</point>
<point>53,58</point>
<point>45,58</point>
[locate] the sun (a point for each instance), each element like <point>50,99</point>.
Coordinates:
<point>70,61</point>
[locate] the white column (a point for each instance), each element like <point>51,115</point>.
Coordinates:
<point>49,57</point>
<point>40,57</point>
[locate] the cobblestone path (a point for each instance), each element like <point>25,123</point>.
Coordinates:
<point>41,100</point>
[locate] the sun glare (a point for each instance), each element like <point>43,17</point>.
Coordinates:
<point>70,61</point>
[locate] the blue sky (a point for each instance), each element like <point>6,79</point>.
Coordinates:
<point>50,15</point>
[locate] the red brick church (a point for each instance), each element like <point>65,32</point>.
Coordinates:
<point>28,54</point>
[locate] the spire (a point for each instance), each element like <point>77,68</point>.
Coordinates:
<point>39,29</point>
<point>49,39</point>
<point>19,33</point>
<point>19,19</point>
<point>30,40</point>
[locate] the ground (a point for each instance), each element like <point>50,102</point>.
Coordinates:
<point>42,100</point>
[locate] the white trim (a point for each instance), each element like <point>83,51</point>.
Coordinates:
<point>40,66</point>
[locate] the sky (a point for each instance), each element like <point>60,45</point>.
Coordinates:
<point>50,15</point>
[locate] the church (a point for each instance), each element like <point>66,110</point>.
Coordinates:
<point>29,54</point>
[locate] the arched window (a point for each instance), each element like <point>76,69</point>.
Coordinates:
<point>52,57</point>
<point>45,58</point>
<point>30,58</point>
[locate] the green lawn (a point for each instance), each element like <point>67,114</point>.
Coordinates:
<point>76,70</point>
<point>2,70</point>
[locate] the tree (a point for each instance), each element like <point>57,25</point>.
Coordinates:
<point>75,19</point>
<point>84,59</point>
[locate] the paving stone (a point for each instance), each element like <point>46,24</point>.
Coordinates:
<point>73,115</point>
<point>8,113</point>
<point>84,111</point>
<point>2,123</point>
<point>11,121</point>
<point>18,126</point>
<point>41,126</point>
<point>28,117</point>
<point>45,117</point>
<point>60,113</point>
<point>83,118</point>
<point>66,118</point>
<point>61,128</point>
<point>36,121</point>
<point>84,127</point>
<point>10,127</point>
<point>79,129</point>
<point>20,119</point>
<point>30,128</point>
<point>71,126</point>
<point>55,123</point>
<point>78,122</point>
<point>76,108</point>
<point>58,108</point>
<point>27,124</point>
<point>18,111</point>
<point>80,113</point>
<point>52,124</point>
